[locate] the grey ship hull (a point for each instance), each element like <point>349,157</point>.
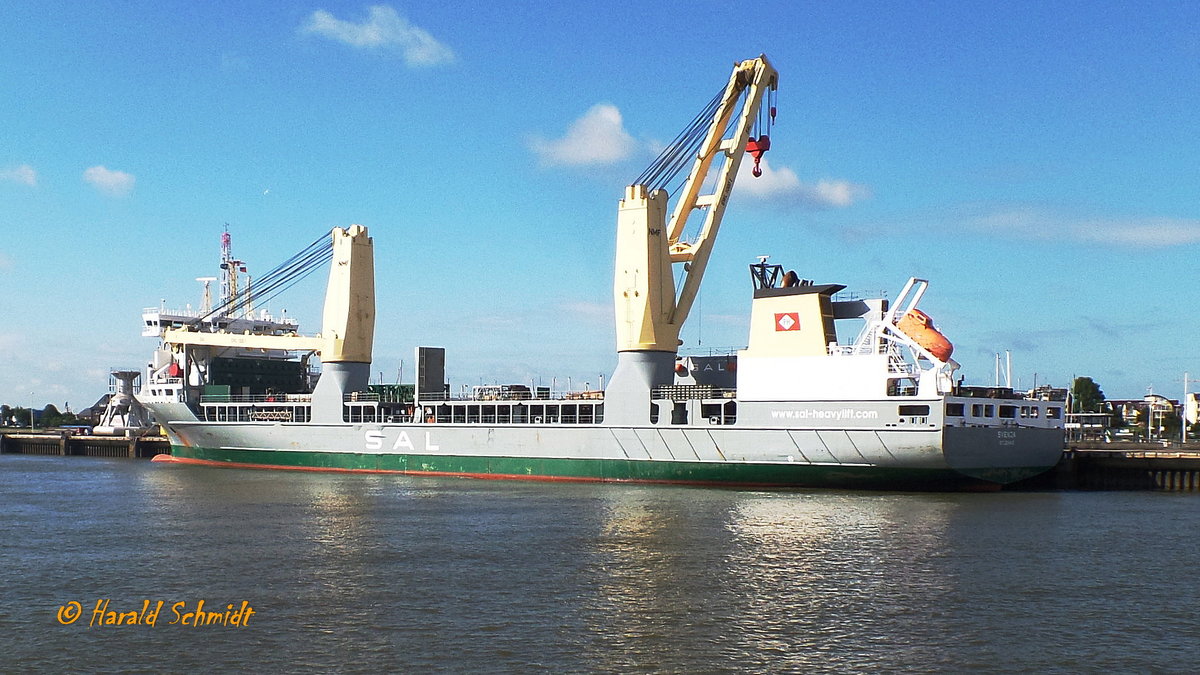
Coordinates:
<point>827,453</point>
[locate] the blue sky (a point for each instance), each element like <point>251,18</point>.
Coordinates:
<point>1038,162</point>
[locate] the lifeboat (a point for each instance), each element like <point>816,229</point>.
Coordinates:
<point>918,326</point>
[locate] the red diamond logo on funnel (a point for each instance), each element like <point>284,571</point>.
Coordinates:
<point>787,321</point>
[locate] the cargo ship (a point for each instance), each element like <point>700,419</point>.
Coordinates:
<point>795,408</point>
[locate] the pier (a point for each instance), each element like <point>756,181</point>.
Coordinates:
<point>67,443</point>
<point>1122,466</point>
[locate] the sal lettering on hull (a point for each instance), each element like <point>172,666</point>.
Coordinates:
<point>374,441</point>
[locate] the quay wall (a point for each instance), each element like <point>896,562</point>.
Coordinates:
<point>1125,466</point>
<point>65,443</point>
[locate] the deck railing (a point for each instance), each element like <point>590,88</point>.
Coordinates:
<point>256,398</point>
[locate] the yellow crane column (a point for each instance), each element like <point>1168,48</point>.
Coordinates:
<point>649,313</point>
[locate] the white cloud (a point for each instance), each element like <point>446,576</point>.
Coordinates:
<point>772,183</point>
<point>598,137</point>
<point>783,186</point>
<point>23,174</point>
<point>837,193</point>
<point>1150,233</point>
<point>589,311</point>
<point>384,28</point>
<point>1140,232</point>
<point>110,181</point>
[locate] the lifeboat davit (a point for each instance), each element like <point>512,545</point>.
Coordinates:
<point>918,326</point>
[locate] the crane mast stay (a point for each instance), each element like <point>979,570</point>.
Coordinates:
<point>649,310</point>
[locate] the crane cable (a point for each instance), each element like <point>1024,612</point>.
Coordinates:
<point>282,277</point>
<point>681,151</point>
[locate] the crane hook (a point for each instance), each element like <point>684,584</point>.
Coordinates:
<point>756,148</point>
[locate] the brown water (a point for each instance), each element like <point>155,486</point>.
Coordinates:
<point>367,573</point>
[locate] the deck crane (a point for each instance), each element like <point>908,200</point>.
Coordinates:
<point>649,312</point>
<point>348,328</point>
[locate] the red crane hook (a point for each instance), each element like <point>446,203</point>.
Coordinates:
<point>756,147</point>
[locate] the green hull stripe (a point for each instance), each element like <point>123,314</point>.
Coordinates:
<point>649,471</point>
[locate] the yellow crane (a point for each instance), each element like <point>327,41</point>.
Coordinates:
<point>348,326</point>
<point>347,332</point>
<point>649,311</point>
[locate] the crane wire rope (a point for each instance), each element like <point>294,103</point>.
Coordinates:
<point>681,151</point>
<point>282,277</point>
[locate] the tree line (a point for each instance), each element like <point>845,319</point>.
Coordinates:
<point>50,416</point>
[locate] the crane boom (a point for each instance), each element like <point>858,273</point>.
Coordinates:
<point>649,314</point>
<point>348,330</point>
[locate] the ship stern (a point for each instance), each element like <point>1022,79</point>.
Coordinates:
<point>1002,455</point>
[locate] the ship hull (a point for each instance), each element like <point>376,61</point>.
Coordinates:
<point>826,458</point>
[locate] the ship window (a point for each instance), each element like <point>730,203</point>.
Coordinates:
<point>955,409</point>
<point>1008,411</point>
<point>653,413</point>
<point>679,413</point>
<point>977,410</point>
<point>914,410</point>
<point>1054,413</point>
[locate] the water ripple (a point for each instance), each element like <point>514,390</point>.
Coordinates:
<point>361,573</point>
